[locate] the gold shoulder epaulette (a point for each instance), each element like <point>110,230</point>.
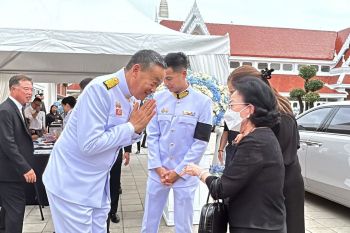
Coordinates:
<point>181,94</point>
<point>110,83</point>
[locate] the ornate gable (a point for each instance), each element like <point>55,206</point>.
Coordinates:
<point>194,23</point>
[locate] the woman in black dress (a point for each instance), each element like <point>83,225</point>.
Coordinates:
<point>253,180</point>
<point>52,116</point>
<point>288,137</point>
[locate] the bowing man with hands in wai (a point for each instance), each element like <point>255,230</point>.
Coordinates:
<point>102,122</point>
<point>16,152</point>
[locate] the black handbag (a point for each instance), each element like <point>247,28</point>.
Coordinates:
<point>213,218</point>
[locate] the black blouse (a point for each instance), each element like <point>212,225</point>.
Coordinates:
<point>253,182</point>
<point>288,137</point>
<point>231,134</point>
<point>51,118</point>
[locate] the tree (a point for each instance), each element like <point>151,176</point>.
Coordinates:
<point>309,94</point>
<point>297,94</point>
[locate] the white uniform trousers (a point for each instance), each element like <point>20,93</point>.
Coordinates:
<point>69,217</point>
<point>156,197</point>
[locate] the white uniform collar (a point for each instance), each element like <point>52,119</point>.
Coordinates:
<point>122,83</point>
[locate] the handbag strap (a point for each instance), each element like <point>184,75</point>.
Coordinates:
<point>213,189</point>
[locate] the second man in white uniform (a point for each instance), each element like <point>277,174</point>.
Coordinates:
<point>177,135</point>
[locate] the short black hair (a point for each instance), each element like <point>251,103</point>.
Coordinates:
<point>146,58</point>
<point>37,99</point>
<point>176,61</point>
<point>69,100</point>
<point>14,80</point>
<point>83,83</point>
<point>260,95</point>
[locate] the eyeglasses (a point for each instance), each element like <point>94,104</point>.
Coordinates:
<point>231,104</point>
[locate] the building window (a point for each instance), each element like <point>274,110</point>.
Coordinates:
<point>288,67</point>
<point>275,66</point>
<point>325,68</point>
<point>234,64</point>
<point>262,66</point>
<point>247,64</point>
<point>299,66</point>
<point>316,67</point>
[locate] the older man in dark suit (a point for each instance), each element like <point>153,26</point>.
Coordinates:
<point>16,150</point>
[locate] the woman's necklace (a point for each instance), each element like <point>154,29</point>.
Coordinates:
<point>248,132</point>
<point>242,135</point>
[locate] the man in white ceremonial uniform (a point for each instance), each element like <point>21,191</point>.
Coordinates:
<point>177,135</point>
<point>103,120</point>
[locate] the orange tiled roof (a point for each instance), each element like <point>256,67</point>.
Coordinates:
<point>341,37</point>
<point>346,79</point>
<point>273,42</point>
<point>286,83</point>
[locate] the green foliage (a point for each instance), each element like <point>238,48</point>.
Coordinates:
<point>295,93</point>
<point>307,72</point>
<point>314,85</point>
<point>311,97</point>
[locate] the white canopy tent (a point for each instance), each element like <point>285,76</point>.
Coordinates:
<point>58,41</point>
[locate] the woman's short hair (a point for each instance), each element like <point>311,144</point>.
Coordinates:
<point>255,92</point>
<point>52,106</point>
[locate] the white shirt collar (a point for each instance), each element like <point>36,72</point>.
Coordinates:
<point>18,104</point>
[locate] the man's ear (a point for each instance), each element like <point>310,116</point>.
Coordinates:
<point>135,69</point>
<point>184,73</point>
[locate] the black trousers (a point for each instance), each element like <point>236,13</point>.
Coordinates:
<point>143,144</point>
<point>294,198</point>
<point>114,185</point>
<point>13,204</point>
<point>138,146</point>
<point>115,182</point>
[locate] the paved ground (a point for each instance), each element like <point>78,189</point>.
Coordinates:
<point>321,216</point>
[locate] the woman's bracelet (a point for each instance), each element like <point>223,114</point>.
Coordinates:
<point>220,150</point>
<point>202,173</point>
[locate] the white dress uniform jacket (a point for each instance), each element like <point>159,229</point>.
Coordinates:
<point>79,165</point>
<point>177,135</point>
<point>171,133</point>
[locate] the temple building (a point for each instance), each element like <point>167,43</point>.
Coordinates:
<point>283,49</point>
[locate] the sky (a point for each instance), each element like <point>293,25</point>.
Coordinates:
<point>329,15</point>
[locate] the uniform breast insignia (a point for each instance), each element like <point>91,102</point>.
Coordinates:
<point>189,113</point>
<point>164,110</point>
<point>110,83</point>
<point>118,109</point>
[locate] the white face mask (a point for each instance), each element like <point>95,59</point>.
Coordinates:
<point>233,119</point>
